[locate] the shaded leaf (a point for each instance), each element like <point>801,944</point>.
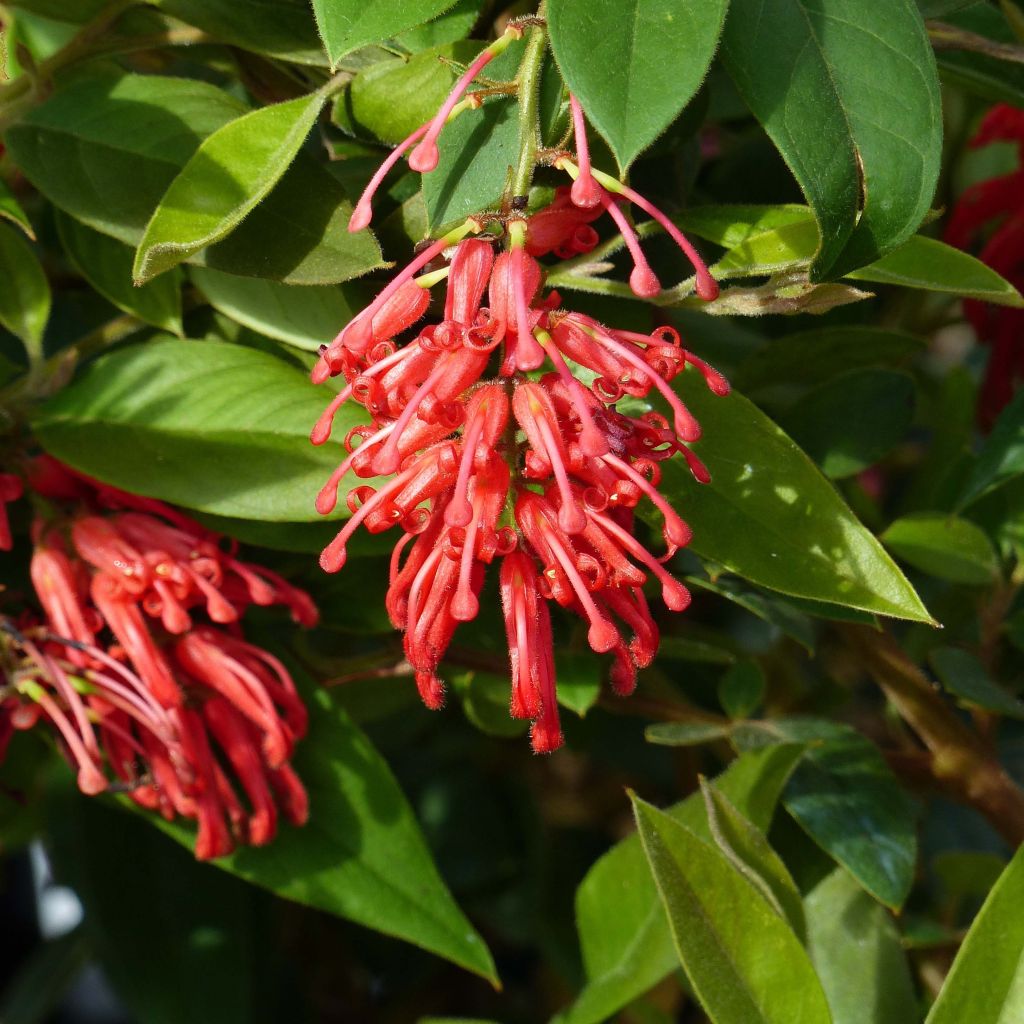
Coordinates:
<point>963,675</point>
<point>612,54</point>
<point>996,80</point>
<point>944,546</point>
<point>741,689</point>
<point>744,961</point>
<point>850,422</point>
<point>799,65</point>
<point>856,950</point>
<point>106,264</point>
<point>1002,455</point>
<point>685,734</point>
<point>25,292</point>
<point>207,425</point>
<point>230,172</point>
<point>345,25</point>
<point>624,934</point>
<point>306,317</point>
<point>848,801</point>
<point>284,28</point>
<point>10,209</point>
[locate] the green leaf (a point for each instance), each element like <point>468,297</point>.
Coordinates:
<point>800,67</point>
<point>856,950</point>
<point>233,169</point>
<point>476,151</point>
<point>940,8</point>
<point>771,239</point>
<point>769,515</point>
<point>77,11</point>
<point>963,675</point>
<point>943,546</point>
<point>284,28</point>
<point>345,25</point>
<point>741,689</point>
<point>10,209</point>
<point>626,942</point>
<point>1002,455</point>
<point>746,847</point>
<point>211,426</point>
<point>107,265</point>
<point>391,99</point>
<point>744,961</point>
<point>452,26</point>
<point>25,293</point>
<point>936,267</point>
<point>685,734</point>
<point>634,64</point>
<point>850,422</point>
<point>361,855</point>
<point>848,801</point>
<point>298,234</point>
<point>305,317</point>
<point>787,366</point>
<point>984,985</point>
<point>40,983</point>
<point>106,146</point>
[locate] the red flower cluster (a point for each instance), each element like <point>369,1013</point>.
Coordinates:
<point>998,202</point>
<point>541,472</point>
<point>141,669</point>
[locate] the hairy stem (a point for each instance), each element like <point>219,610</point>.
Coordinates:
<point>528,82</point>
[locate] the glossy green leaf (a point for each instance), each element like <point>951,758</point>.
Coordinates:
<point>943,546</point>
<point>936,267</point>
<point>963,675</point>
<point>106,264</point>
<point>230,172</point>
<point>747,849</point>
<point>306,317</point>
<point>25,292</point>
<point>744,962</point>
<point>1002,455</point>
<point>105,148</point>
<point>986,982</point>
<point>10,209</point>
<point>361,855</point>
<point>847,799</point>
<point>284,28</point>
<point>771,239</point>
<point>624,934</point>
<point>800,67</point>
<point>769,515</point>
<point>76,11</point>
<point>391,99</point>
<point>634,64</point>
<point>785,367</point>
<point>850,422</point>
<point>207,425</point>
<point>345,25</point>
<point>856,950</point>
<point>741,689</point>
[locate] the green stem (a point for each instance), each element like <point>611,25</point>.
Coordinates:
<point>528,81</point>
